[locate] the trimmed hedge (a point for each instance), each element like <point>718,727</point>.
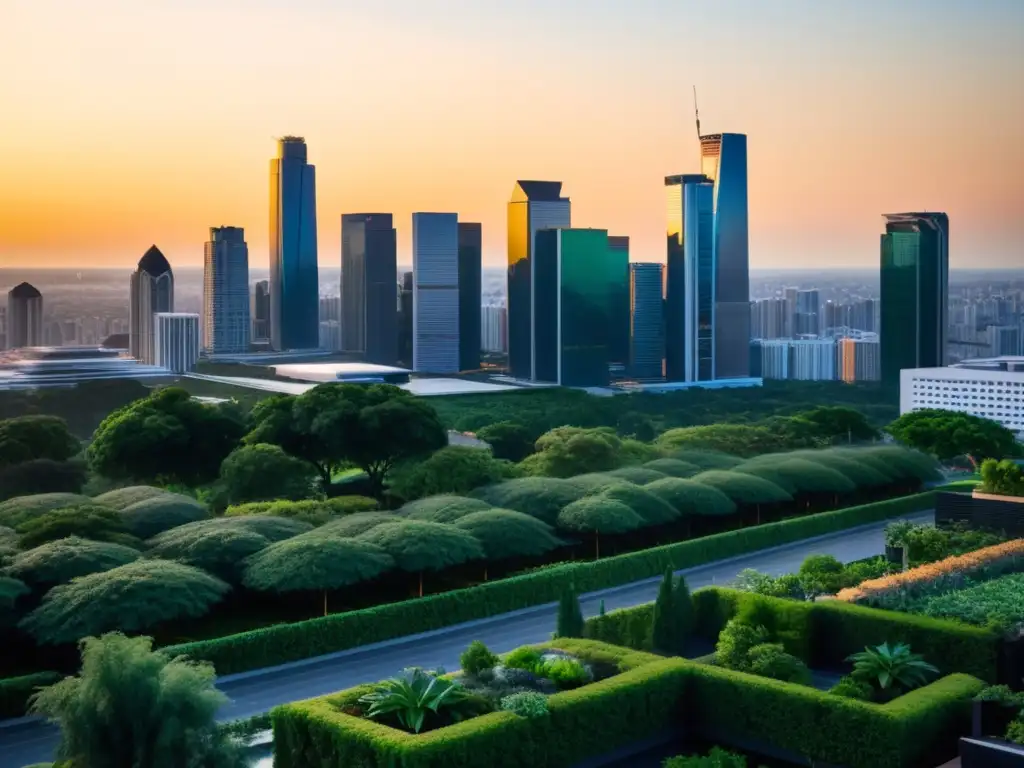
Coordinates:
<point>270,646</point>
<point>16,691</point>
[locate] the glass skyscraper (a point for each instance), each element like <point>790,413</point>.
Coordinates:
<point>435,292</point>
<point>151,291</point>
<point>576,278</point>
<point>226,322</point>
<point>260,311</point>
<point>369,276</point>
<point>535,205</point>
<point>646,321</point>
<point>914,292</point>
<point>24,317</point>
<point>470,295</point>
<point>294,275</point>
<point>619,244</point>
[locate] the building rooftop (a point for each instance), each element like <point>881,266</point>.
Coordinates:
<point>422,387</point>
<point>24,291</point>
<point>321,372</point>
<point>43,367</point>
<point>537,191</point>
<point>1010,363</point>
<point>154,262</point>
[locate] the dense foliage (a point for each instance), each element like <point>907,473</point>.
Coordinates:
<point>265,473</point>
<point>28,438</point>
<point>219,550</point>
<point>504,533</point>
<point>316,562</point>
<point>58,562</point>
<point>949,434</point>
<point>42,476</point>
<point>161,513</point>
<point>455,469</point>
<point>1005,477</point>
<point>442,509</point>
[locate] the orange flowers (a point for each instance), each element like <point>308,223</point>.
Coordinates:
<point>939,576</point>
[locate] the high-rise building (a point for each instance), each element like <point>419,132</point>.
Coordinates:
<point>470,291</point>
<point>176,340</point>
<point>576,276</point>
<point>646,321</point>
<point>914,292</point>
<point>724,162</point>
<point>534,205</point>
<point>797,359</point>
<point>769,319</point>
<point>1004,340</point>
<point>435,292</point>
<point>808,307</point>
<point>858,359</point>
<point>369,278</point>
<point>294,275</point>
<point>405,320</point>
<point>151,290</point>
<point>620,309</point>
<point>494,329</point>
<point>226,322</point>
<point>24,317</point>
<point>790,297</point>
<point>691,311</point>
<point>260,311</point>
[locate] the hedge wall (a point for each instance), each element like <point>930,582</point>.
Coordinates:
<point>15,691</point>
<point>290,642</point>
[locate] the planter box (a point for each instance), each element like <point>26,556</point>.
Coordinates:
<point>976,494</point>
<point>981,511</point>
<point>990,753</point>
<point>990,719</point>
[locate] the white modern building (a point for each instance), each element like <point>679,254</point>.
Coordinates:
<point>176,341</point>
<point>226,324</point>
<point>435,292</point>
<point>992,388</point>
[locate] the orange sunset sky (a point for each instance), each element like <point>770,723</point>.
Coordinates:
<point>130,122</point>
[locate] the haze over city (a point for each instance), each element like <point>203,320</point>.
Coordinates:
<point>142,123</point>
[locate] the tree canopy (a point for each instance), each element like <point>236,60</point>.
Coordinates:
<point>704,459</point>
<point>743,488</point>
<point>949,434</point>
<point>271,528</point>
<point>540,497</point>
<point>455,469</point>
<point>504,533</point>
<point>16,511</point>
<point>26,438</point>
<point>168,437</point>
<point>652,509</point>
<point>863,475</point>
<point>89,521</point>
<point>735,439</point>
<point>597,514</point>
<point>125,497</point>
<point>132,597</point>
<point>313,511</point>
<point>637,475</point>
<point>10,590</point>
<point>418,546</point>
<point>840,422</point>
<point>801,475</point>
<point>592,482</point>
<point>445,508</point>
<point>690,498</point>
<point>508,440</point>
<point>264,472</point>
<point>674,467</point>
<point>219,550</point>
<point>357,523</point>
<point>58,562</point>
<point>315,563</point>
<point>152,516</point>
<point>567,451</point>
<point>41,476</point>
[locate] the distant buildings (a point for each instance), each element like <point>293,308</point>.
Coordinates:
<point>646,321</point>
<point>770,319</point>
<point>914,292</point>
<point>369,276</point>
<point>494,329</point>
<point>226,320</point>
<point>798,359</point>
<point>435,292</point>
<point>151,290</point>
<point>806,320</point>
<point>534,205</point>
<point>294,275</point>
<point>470,289</point>
<point>859,359</point>
<point>176,341</point>
<point>24,317</point>
<point>259,311</point>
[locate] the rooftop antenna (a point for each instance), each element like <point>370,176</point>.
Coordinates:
<point>696,112</point>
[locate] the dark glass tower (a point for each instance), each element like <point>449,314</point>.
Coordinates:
<point>260,310</point>
<point>294,275</point>
<point>914,292</point>
<point>151,291</point>
<point>619,245</point>
<point>24,317</point>
<point>405,320</point>
<point>535,205</point>
<point>226,325</point>
<point>470,291</point>
<point>369,274</point>
<point>646,321</point>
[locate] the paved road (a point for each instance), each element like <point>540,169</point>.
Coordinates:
<point>30,740</point>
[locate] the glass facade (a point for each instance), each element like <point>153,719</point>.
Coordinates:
<point>646,321</point>
<point>369,276</point>
<point>470,295</point>
<point>435,293</point>
<point>914,292</point>
<point>619,245</point>
<point>226,322</point>
<point>534,205</point>
<point>151,290</point>
<point>294,275</point>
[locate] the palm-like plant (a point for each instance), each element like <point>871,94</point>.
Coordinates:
<point>412,695</point>
<point>892,667</point>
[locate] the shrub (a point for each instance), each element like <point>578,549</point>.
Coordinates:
<point>526,658</point>
<point>315,562</point>
<point>476,658</point>
<point>735,642</point>
<point>455,469</point>
<point>674,467</point>
<point>262,472</point>
<point>743,488</point>
<point>597,515</point>
<point>570,617</point>
<point>125,497</point>
<point>90,521</point>
<point>417,546</point>
<point>716,758</point>
<point>771,660</point>
<point>442,509</point>
<point>821,575</point>
<point>58,562</point>
<point>357,523</point>
<point>21,509</point>
<point>42,476</point>
<point>220,550</point>
<point>690,498</point>
<point>997,603</point>
<point>564,672</point>
<point>595,482</point>
<point>161,513</point>
<point>638,475</point>
<point>313,512</point>
<point>540,497</point>
<point>851,688</point>
<point>705,460</point>
<point>651,508</point>
<point>892,667</point>
<point>527,704</point>
<point>504,533</point>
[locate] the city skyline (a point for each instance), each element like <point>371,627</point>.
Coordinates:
<point>828,136</point>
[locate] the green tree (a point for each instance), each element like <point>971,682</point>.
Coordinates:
<point>220,550</point>
<point>508,440</point>
<point>504,533</point>
<point>651,508</point>
<point>168,437</point>
<point>20,509</point>
<point>58,562</point>
<point>442,509</point>
<point>663,630</point>
<point>735,439</point>
<point>744,489</point>
<point>570,617</point>
<point>27,438</point>
<point>567,451</point>
<point>949,434</point>
<point>312,511</point>
<point>674,467</point>
<point>89,521</point>
<point>129,598</point>
<point>41,476</point>
<point>840,423</point>
<point>132,706</point>
<point>120,498</point>
<point>637,426</point>
<point>598,515</point>
<point>637,475</point>
<point>273,529</point>
<point>683,614</point>
<point>357,523</point>
<point>1002,477</point>
<point>263,473</point>
<point>798,475</point>
<point>705,459</point>
<point>455,469</point>
<point>691,498</point>
<point>161,513</point>
<point>540,497</point>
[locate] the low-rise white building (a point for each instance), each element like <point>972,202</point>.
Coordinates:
<point>176,341</point>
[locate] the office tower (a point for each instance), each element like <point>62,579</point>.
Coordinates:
<point>226,322</point>
<point>646,321</point>
<point>24,317</point>
<point>260,311</point>
<point>858,359</point>
<point>576,277</point>
<point>369,277</point>
<point>724,162</point>
<point>494,329</point>
<point>294,275</point>
<point>769,319</point>
<point>151,290</point>
<point>862,315</point>
<point>790,297</point>
<point>808,306</point>
<point>620,308</point>
<point>176,340</point>
<point>435,292</point>
<point>405,320</point>
<point>914,292</point>
<point>1004,340</point>
<point>470,289</point>
<point>691,325</point>
<point>534,205</point>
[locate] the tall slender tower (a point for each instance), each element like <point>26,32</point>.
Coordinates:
<point>914,292</point>
<point>470,287</point>
<point>369,279</point>
<point>226,323</point>
<point>534,205</point>
<point>646,321</point>
<point>435,292</point>
<point>24,316</point>
<point>294,275</point>
<point>151,291</point>
<point>260,311</point>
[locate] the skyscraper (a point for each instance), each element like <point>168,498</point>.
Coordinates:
<point>435,292</point>
<point>769,318</point>
<point>577,275</point>
<point>808,308</point>
<point>24,317</point>
<point>151,290</point>
<point>619,244</point>
<point>226,323</point>
<point>724,162</point>
<point>405,320</point>
<point>369,278</point>
<point>294,276</point>
<point>691,322</point>
<point>176,341</point>
<point>534,205</point>
<point>260,311</point>
<point>646,321</point>
<point>470,288</point>
<point>914,292</point>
